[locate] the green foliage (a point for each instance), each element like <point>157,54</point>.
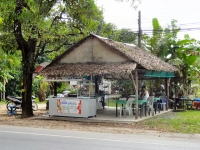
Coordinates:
<point>110,31</point>
<point>157,30</point>
<point>40,88</point>
<point>73,91</point>
<point>54,25</point>
<point>13,86</point>
<point>106,29</point>
<point>42,91</point>
<point>124,86</point>
<point>188,52</point>
<point>38,27</point>
<point>8,64</point>
<point>62,86</point>
<point>36,84</point>
<point>127,36</point>
<point>184,53</point>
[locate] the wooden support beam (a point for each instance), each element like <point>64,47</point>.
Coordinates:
<point>136,94</point>
<point>167,82</point>
<point>113,76</point>
<point>55,88</point>
<point>132,79</point>
<point>135,84</point>
<point>122,77</point>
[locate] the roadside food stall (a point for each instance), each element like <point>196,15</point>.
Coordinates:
<point>99,56</point>
<point>84,105</point>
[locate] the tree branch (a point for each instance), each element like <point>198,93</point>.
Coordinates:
<point>26,6</point>
<point>17,26</point>
<point>57,18</point>
<point>56,49</point>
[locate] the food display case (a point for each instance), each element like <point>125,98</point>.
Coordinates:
<point>86,89</point>
<point>84,105</point>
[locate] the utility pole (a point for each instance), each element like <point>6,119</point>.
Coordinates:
<point>139,29</point>
<point>137,82</point>
<point>139,40</point>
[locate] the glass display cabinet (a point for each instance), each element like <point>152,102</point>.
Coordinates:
<point>86,89</point>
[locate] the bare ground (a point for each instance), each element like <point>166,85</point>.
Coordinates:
<point>52,124</point>
<point>79,126</point>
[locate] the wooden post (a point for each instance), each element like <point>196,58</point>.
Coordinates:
<point>96,84</point>
<point>135,85</point>
<point>167,80</point>
<point>136,94</point>
<point>132,79</point>
<point>55,88</point>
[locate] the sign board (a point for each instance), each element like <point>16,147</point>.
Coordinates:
<point>61,78</point>
<point>69,106</point>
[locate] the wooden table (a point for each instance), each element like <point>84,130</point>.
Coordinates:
<point>180,103</point>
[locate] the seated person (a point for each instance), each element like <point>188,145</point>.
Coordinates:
<point>162,88</point>
<point>144,93</point>
<point>177,100</point>
<point>161,91</point>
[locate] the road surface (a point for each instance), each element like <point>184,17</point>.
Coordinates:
<point>25,138</point>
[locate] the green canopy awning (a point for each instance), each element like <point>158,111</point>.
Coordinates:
<point>159,74</point>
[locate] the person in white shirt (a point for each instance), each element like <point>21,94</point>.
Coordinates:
<point>144,93</point>
<point>162,88</point>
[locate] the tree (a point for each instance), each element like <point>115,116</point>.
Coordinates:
<point>187,58</point>
<point>162,40</point>
<point>183,53</point>
<point>127,36</point>
<point>7,71</point>
<point>106,29</point>
<point>38,27</point>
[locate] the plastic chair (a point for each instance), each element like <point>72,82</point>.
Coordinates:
<point>128,108</point>
<point>163,103</point>
<point>149,106</point>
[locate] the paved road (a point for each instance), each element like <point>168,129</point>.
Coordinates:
<point>22,138</point>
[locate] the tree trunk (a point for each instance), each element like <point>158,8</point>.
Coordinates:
<point>28,59</point>
<point>27,92</point>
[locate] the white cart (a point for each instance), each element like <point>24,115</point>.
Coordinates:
<point>85,105</point>
<point>72,107</point>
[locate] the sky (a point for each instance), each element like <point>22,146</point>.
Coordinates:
<point>186,12</point>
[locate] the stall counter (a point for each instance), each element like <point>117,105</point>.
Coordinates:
<point>72,107</point>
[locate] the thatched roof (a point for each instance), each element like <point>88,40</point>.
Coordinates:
<point>133,54</point>
<point>90,68</point>
<point>142,57</point>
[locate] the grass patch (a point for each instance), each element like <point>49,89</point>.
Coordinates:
<point>110,102</point>
<point>178,122</point>
<point>3,102</point>
<point>38,102</point>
